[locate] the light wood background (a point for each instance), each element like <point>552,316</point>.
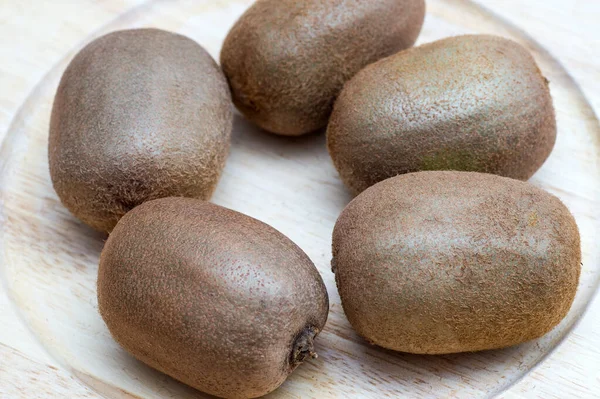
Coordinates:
<point>36,35</point>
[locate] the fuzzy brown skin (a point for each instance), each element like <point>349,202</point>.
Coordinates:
<point>471,103</point>
<point>209,296</point>
<point>138,115</point>
<point>445,262</point>
<point>287,60</point>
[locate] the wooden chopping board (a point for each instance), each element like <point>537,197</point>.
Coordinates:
<point>53,343</point>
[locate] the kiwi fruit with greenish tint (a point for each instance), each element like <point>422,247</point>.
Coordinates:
<point>138,115</point>
<point>472,103</point>
<point>287,60</point>
<point>444,262</point>
<point>211,297</point>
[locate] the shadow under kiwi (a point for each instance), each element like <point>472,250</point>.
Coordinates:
<point>302,157</point>
<point>306,147</point>
<point>488,372</point>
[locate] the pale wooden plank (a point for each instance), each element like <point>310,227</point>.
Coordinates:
<point>24,378</point>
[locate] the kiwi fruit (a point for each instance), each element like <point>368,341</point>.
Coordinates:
<point>442,262</point>
<point>211,297</point>
<point>138,115</point>
<point>468,103</point>
<point>287,60</point>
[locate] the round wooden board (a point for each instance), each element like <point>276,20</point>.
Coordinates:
<point>50,259</point>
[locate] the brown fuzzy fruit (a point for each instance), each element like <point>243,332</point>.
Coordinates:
<point>138,115</point>
<point>209,296</point>
<point>472,103</point>
<point>287,60</point>
<point>445,262</point>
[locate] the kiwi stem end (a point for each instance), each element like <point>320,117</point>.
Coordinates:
<point>304,346</point>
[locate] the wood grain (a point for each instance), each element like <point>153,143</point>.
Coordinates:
<point>36,380</point>
<point>48,258</point>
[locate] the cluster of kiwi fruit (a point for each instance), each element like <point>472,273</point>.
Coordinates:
<point>445,249</point>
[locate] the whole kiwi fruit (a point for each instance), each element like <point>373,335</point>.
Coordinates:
<point>287,60</point>
<point>139,114</point>
<point>211,297</point>
<point>471,103</point>
<point>443,262</point>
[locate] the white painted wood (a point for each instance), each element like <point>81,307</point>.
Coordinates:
<point>52,341</point>
<point>36,380</point>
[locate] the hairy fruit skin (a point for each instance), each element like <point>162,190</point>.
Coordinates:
<point>139,114</point>
<point>287,60</point>
<point>446,262</point>
<point>471,103</point>
<point>211,297</point>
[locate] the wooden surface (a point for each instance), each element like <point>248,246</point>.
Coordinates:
<point>53,343</point>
